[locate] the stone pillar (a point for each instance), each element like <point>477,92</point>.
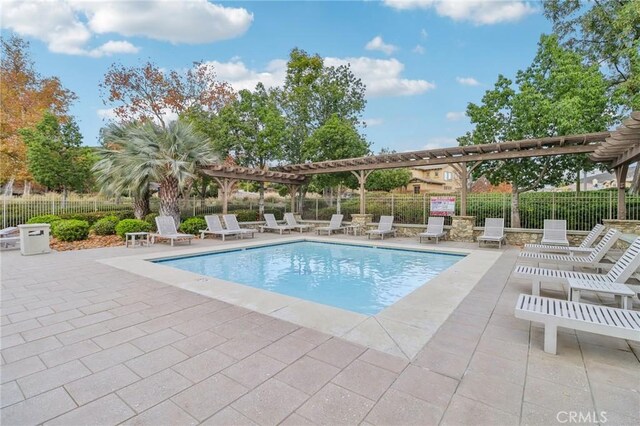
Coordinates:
<point>361,220</point>
<point>462,228</point>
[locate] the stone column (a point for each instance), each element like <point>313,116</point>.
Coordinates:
<point>624,226</point>
<point>361,220</point>
<point>462,228</point>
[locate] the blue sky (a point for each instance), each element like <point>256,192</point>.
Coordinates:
<point>422,60</point>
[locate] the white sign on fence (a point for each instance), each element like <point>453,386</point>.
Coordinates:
<point>442,206</point>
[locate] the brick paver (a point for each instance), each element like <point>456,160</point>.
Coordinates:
<point>85,343</point>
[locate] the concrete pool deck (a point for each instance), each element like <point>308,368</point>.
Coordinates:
<point>402,329</point>
<point>84,342</point>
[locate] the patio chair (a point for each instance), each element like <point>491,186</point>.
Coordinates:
<point>334,225</point>
<point>214,227</point>
<point>291,221</point>
<point>555,232</point>
<point>619,272</point>
<point>385,227</point>
<point>167,231</point>
<point>8,237</point>
<point>435,229</point>
<point>272,225</point>
<point>554,313</point>
<point>493,232</point>
<point>231,222</point>
<point>584,247</point>
<point>590,261</point>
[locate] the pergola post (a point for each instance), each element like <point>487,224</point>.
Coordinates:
<point>225,185</point>
<point>621,179</point>
<point>362,176</point>
<point>464,173</point>
<point>293,189</point>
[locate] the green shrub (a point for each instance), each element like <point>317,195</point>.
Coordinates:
<point>70,229</point>
<point>131,225</point>
<point>106,225</point>
<point>193,225</point>
<point>124,214</point>
<point>246,215</point>
<point>151,219</point>
<point>45,218</point>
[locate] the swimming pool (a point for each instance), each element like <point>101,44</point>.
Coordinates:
<point>362,279</point>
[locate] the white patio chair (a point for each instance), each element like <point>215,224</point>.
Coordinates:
<point>291,221</point>
<point>214,227</point>
<point>231,222</point>
<point>554,313</point>
<point>385,227</point>
<point>555,232</point>
<point>493,232</point>
<point>272,225</point>
<point>435,229</point>
<point>590,261</point>
<point>167,231</point>
<point>334,225</point>
<point>584,247</point>
<point>619,272</point>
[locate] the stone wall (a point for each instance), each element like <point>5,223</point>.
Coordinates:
<point>462,228</point>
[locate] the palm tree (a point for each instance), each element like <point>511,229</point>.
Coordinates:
<point>145,153</point>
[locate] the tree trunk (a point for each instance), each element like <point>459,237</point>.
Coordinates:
<point>203,192</point>
<point>141,206</point>
<point>26,191</point>
<point>168,194</point>
<point>64,197</point>
<point>261,201</point>
<point>578,182</point>
<point>635,183</point>
<point>8,188</point>
<point>302,192</point>
<point>338,206</point>
<point>515,207</point>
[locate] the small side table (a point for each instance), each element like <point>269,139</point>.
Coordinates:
<point>136,238</point>
<point>621,292</point>
<point>353,228</point>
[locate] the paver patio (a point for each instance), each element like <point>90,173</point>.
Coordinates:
<point>84,343</point>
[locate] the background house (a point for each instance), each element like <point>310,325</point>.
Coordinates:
<point>428,179</point>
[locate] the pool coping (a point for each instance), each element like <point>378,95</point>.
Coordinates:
<point>401,329</point>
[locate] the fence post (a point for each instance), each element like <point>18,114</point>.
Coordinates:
<point>53,205</point>
<point>553,205</point>
<point>4,211</point>
<point>610,205</point>
<point>95,205</point>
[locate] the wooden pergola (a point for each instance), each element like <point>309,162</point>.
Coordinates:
<point>617,149</point>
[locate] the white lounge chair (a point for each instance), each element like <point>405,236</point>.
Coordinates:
<point>590,261</point>
<point>167,231</point>
<point>619,272</point>
<point>385,227</point>
<point>555,232</point>
<point>214,227</point>
<point>9,237</point>
<point>493,232</point>
<point>435,229</point>
<point>231,222</point>
<point>334,225</point>
<point>272,225</point>
<point>554,313</point>
<point>291,221</point>
<point>584,247</point>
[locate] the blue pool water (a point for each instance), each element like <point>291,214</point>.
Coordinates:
<point>357,278</point>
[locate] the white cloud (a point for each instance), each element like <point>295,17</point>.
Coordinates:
<point>424,34</point>
<point>479,12</point>
<point>383,77</point>
<point>68,26</point>
<point>377,43</point>
<point>467,81</point>
<point>370,122</point>
<point>440,142</point>
<point>418,49</point>
<point>106,113</point>
<point>236,73</point>
<point>455,115</point>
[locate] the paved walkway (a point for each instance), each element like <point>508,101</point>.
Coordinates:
<point>83,343</point>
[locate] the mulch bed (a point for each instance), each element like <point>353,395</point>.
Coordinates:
<point>94,241</point>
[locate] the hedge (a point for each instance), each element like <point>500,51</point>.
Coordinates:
<point>106,225</point>
<point>193,225</point>
<point>70,229</point>
<point>45,218</point>
<point>131,225</point>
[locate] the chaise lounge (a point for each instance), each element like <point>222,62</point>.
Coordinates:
<point>167,231</point>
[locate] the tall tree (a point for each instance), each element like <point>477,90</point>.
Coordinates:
<point>313,93</point>
<point>148,152</point>
<point>148,92</point>
<point>388,180</point>
<point>24,98</point>
<point>55,156</point>
<point>556,95</point>
<point>251,129</point>
<point>607,32</point>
